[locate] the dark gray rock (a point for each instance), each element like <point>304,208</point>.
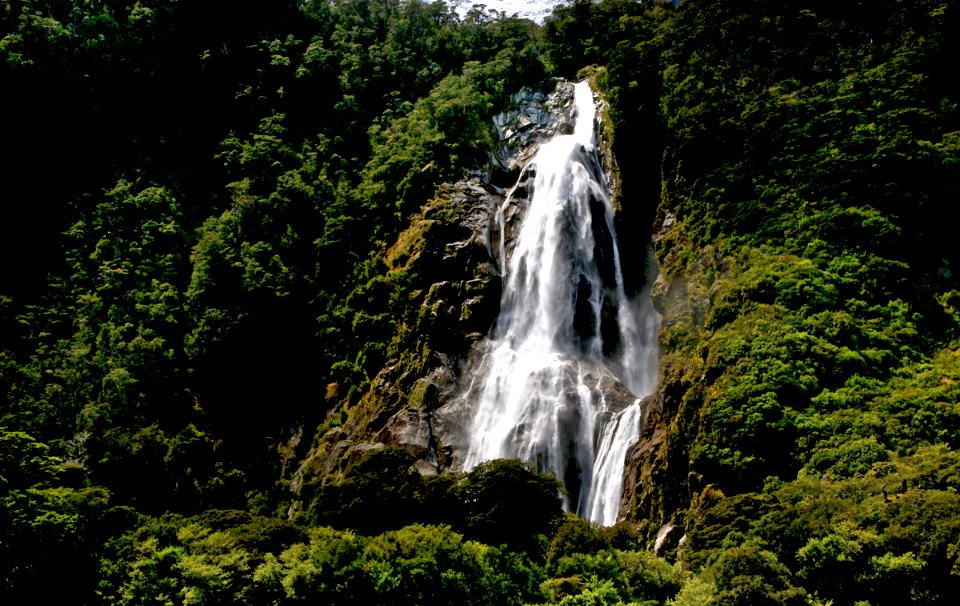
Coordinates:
<point>453,248</point>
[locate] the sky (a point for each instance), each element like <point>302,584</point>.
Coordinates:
<point>535,10</point>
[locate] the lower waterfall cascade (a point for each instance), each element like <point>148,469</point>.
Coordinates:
<point>571,355</point>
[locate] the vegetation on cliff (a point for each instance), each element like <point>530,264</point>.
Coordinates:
<point>806,431</point>
<point>210,269</point>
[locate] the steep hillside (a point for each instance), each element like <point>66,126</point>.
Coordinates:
<point>807,416</point>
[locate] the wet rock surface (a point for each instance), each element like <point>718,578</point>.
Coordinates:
<point>459,313</point>
<point>659,482</point>
<point>451,254</point>
<point>534,117</point>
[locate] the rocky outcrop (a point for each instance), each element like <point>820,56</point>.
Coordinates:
<point>456,315</point>
<point>452,297</point>
<point>611,170</point>
<point>451,254</point>
<point>659,485</point>
<point>450,257</point>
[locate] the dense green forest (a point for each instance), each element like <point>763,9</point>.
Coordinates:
<point>199,280</point>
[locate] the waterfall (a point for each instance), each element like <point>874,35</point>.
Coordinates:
<point>571,354</point>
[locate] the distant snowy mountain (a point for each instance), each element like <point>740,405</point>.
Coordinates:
<point>535,10</point>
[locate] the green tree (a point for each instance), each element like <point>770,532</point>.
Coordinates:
<point>380,492</point>
<point>507,503</point>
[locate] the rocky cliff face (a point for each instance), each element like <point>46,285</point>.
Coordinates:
<point>447,261</point>
<point>660,489</point>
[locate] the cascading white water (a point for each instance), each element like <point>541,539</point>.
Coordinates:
<point>618,436</point>
<point>566,333</point>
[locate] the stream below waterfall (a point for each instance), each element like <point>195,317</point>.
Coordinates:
<point>571,355</point>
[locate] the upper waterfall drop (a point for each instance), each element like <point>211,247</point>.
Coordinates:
<point>571,354</point>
